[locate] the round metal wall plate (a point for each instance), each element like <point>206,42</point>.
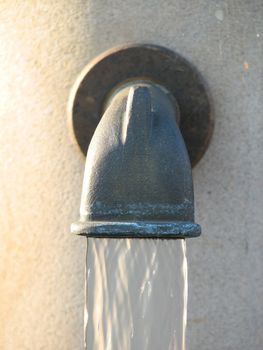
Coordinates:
<point>143,62</point>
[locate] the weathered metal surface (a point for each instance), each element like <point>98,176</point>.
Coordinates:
<point>137,229</point>
<point>138,178</point>
<point>146,62</point>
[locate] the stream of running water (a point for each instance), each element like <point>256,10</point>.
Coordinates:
<point>136,294</point>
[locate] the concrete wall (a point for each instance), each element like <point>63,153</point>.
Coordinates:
<point>44,44</point>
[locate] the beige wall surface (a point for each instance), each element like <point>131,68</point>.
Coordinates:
<point>44,44</point>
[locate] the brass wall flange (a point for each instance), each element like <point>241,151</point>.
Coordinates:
<point>143,62</point>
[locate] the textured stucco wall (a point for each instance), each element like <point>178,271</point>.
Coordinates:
<point>44,44</point>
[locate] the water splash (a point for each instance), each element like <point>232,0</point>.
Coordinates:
<point>136,294</point>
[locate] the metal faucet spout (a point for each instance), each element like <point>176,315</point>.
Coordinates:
<point>138,179</point>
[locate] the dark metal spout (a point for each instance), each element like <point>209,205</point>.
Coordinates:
<point>138,180</point>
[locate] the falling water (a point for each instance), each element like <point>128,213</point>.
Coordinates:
<point>136,294</point>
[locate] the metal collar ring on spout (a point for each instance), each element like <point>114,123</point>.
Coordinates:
<point>138,180</point>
